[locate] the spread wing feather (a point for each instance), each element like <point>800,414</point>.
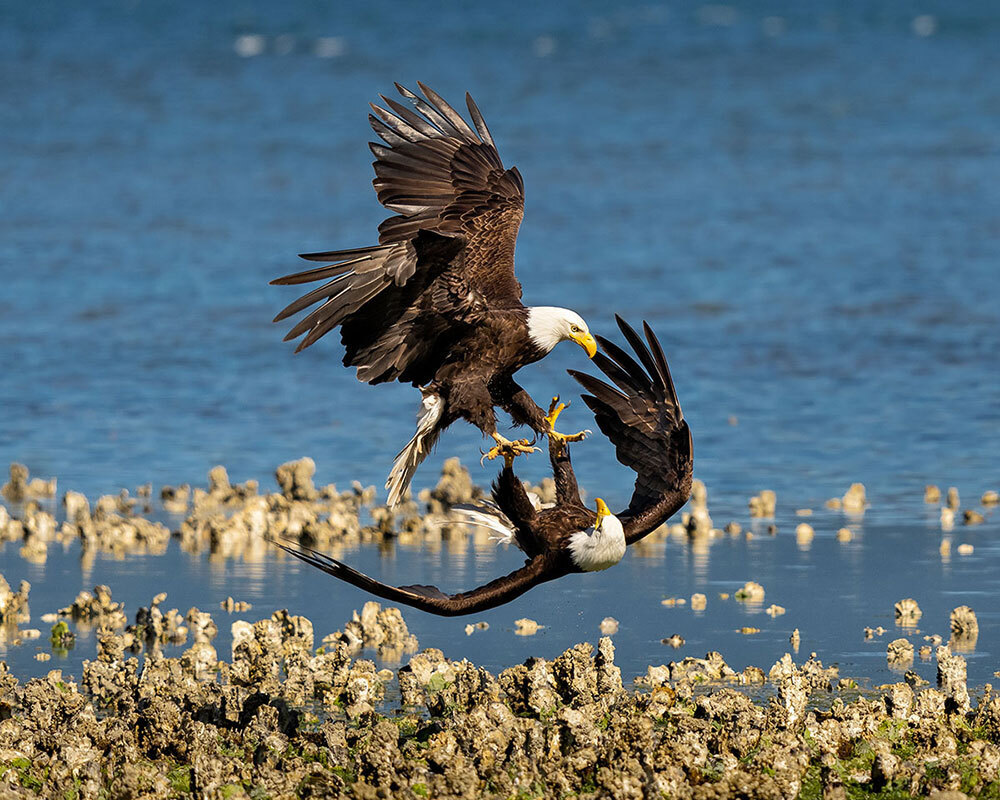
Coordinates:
<point>642,417</point>
<point>430,598</point>
<point>443,175</point>
<point>443,178</point>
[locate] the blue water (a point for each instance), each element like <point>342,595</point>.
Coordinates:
<point>803,199</point>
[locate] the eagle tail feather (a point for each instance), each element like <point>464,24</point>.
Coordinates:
<point>489,516</point>
<point>417,449</point>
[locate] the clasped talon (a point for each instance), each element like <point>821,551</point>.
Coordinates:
<point>508,449</point>
<point>555,409</point>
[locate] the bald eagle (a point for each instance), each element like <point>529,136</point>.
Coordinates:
<point>642,417</point>
<point>436,303</point>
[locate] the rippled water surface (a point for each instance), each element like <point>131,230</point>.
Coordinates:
<point>801,198</point>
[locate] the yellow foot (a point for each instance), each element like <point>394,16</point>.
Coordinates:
<point>508,449</point>
<point>555,409</point>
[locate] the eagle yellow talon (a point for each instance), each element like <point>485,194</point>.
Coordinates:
<point>508,449</point>
<point>555,409</point>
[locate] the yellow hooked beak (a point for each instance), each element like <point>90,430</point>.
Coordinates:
<point>586,341</point>
<point>602,512</point>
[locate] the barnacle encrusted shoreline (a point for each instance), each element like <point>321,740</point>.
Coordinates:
<point>283,715</point>
<point>285,718</point>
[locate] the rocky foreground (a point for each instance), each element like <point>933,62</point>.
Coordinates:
<point>286,718</point>
<point>283,719</point>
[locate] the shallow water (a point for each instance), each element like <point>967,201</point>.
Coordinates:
<point>803,203</point>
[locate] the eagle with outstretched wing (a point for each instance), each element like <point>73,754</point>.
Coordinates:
<point>436,303</point>
<point>642,417</point>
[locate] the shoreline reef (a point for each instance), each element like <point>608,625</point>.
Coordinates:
<point>284,719</point>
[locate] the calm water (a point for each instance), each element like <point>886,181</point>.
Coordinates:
<point>804,203</point>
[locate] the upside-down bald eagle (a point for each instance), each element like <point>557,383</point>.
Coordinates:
<point>642,417</point>
<point>436,302</point>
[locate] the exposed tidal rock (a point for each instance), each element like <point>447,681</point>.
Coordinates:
<point>953,500</point>
<point>964,628</point>
<point>77,508</point>
<point>296,479</point>
<point>899,653</point>
<point>688,672</point>
<point>697,521</point>
<point>951,677</point>
<point>526,627</point>
<point>14,605</point>
<point>19,488</point>
<point>229,605</point>
<point>763,504</point>
<point>751,592</point>
<point>154,626</point>
<point>854,500</point>
<point>812,673</point>
<point>201,625</point>
<point>804,533</point>
<point>907,612</point>
<point>96,609</point>
<point>175,498</point>
<point>455,486</point>
<point>383,629</point>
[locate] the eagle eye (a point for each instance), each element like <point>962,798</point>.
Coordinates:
<point>575,328</point>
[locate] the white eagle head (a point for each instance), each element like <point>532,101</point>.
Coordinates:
<point>549,325</point>
<point>601,546</point>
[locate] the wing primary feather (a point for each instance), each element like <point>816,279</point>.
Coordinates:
<point>318,274</point>
<point>637,377</point>
<point>638,346</point>
<point>622,379</point>
<point>413,119</point>
<point>341,255</point>
<point>450,113</point>
<point>477,120</point>
<point>447,128</point>
<point>430,598</point>
<point>596,386</point>
<point>385,133</point>
<point>417,596</point>
<point>400,126</point>
<point>662,367</point>
<point>326,290</point>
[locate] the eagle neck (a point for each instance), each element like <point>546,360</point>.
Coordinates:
<point>598,548</point>
<point>546,326</point>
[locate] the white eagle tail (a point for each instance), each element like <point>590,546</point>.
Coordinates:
<point>417,449</point>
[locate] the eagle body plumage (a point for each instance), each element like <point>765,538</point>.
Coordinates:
<point>436,303</point>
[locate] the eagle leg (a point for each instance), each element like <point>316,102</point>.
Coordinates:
<point>508,449</point>
<point>555,409</point>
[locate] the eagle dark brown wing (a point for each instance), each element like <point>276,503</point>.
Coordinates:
<point>441,175</point>
<point>447,257</point>
<point>642,417</point>
<point>431,599</point>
